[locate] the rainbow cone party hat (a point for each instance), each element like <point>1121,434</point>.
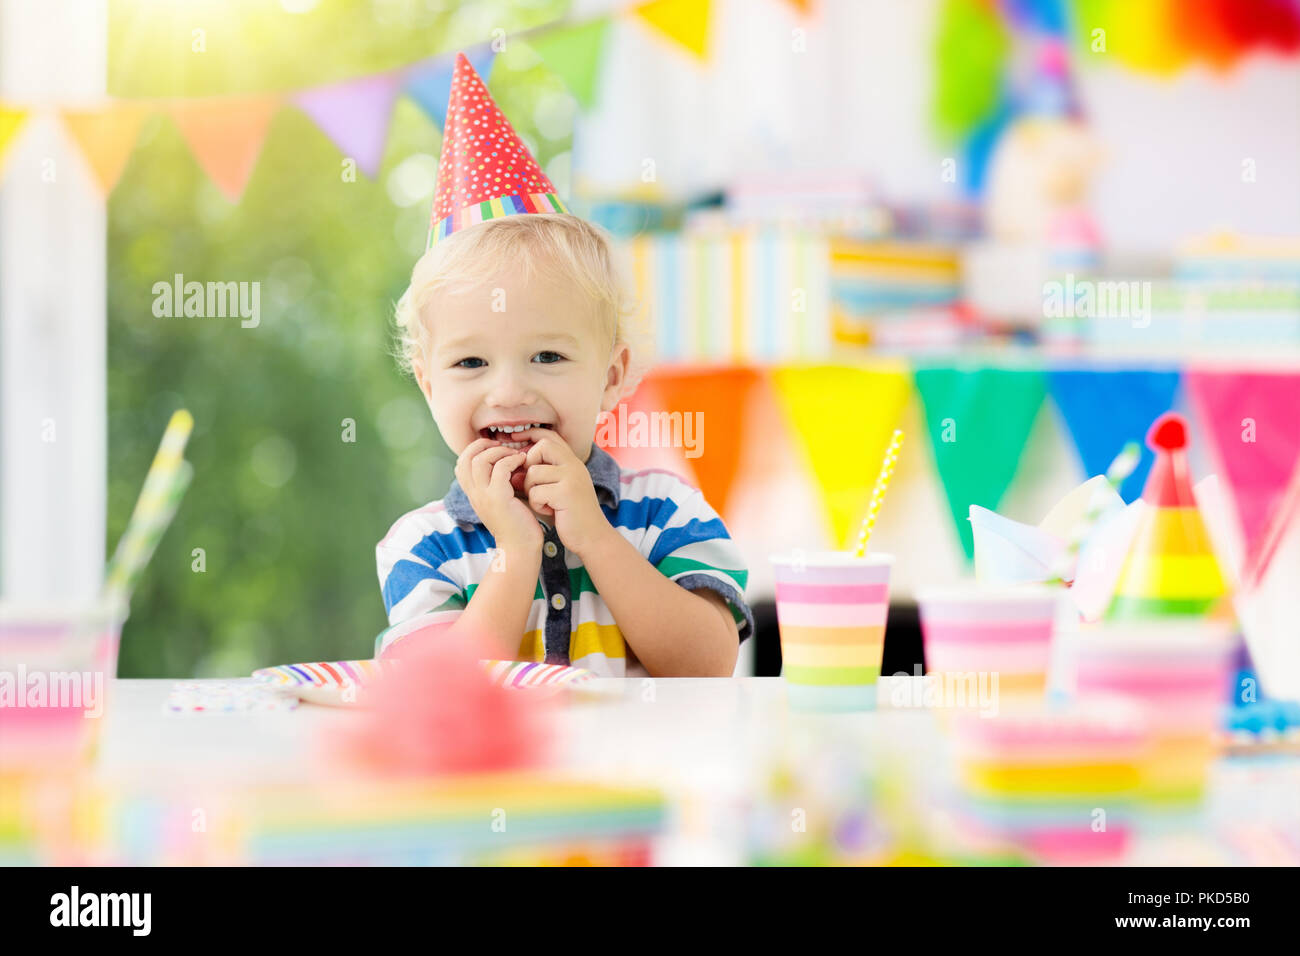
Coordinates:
<point>1170,568</point>
<point>485,171</point>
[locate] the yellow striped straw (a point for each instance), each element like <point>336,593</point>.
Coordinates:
<point>878,493</point>
<point>166,481</point>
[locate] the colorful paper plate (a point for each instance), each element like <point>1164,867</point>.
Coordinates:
<point>335,682</point>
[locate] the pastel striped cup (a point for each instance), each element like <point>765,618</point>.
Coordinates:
<point>974,632</point>
<point>832,608</point>
<point>1178,671</point>
<point>57,664</point>
<point>1036,776</point>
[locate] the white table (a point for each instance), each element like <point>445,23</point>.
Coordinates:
<point>707,743</point>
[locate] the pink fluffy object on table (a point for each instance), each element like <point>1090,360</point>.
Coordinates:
<point>439,713</point>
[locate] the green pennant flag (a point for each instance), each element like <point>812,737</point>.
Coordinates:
<point>978,421</point>
<point>573,54</point>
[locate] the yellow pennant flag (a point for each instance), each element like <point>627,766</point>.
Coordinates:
<point>106,137</point>
<point>843,417</point>
<point>11,120</point>
<point>226,136</point>
<point>685,22</point>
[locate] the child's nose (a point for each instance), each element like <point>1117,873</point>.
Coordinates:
<point>508,388</point>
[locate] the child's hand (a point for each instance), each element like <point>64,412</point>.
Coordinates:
<point>559,484</point>
<point>483,470</point>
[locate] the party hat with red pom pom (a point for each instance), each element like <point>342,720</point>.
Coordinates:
<point>1170,568</point>
<point>485,171</point>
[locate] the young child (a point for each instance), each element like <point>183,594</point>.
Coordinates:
<point>543,548</point>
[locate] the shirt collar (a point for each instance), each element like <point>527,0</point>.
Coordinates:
<point>605,474</point>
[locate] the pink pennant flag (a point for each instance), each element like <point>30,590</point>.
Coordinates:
<point>355,116</point>
<point>1250,420</point>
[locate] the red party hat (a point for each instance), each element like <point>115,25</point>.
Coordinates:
<point>485,171</point>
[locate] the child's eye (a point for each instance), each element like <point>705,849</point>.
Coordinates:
<point>555,357</point>
<point>461,363</point>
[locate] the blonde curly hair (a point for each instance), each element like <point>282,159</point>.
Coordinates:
<point>582,252</point>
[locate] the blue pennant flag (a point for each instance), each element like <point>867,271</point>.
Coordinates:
<point>1104,408</point>
<point>429,82</point>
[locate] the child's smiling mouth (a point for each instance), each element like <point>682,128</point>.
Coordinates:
<point>505,432</point>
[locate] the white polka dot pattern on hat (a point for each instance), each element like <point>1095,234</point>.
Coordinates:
<point>482,156</point>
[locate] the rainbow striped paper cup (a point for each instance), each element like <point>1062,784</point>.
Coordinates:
<point>1055,780</point>
<point>997,640</point>
<point>1178,672</point>
<point>832,608</point>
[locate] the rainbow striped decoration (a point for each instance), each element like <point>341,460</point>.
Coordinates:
<point>832,608</point>
<point>1007,632</point>
<point>1170,568</point>
<point>1033,778</point>
<point>447,821</point>
<point>530,674</point>
<point>1178,673</point>
<point>337,675</point>
<point>494,208</point>
<point>734,295</point>
<point>553,820</point>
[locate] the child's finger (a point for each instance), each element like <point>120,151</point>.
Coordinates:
<point>484,462</point>
<point>549,450</point>
<point>539,498</point>
<point>465,460</point>
<point>502,470</point>
<point>542,475</point>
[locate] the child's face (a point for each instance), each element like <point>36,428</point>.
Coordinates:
<point>516,350</point>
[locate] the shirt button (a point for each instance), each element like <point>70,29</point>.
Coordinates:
<point>550,549</point>
<point>558,602</point>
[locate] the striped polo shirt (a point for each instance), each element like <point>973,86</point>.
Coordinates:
<point>433,559</point>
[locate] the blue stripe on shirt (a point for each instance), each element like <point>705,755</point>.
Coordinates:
<point>692,532</point>
<point>642,513</point>
<point>403,579</point>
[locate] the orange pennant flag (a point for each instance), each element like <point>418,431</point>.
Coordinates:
<point>226,136</point>
<point>11,120</point>
<point>685,22</point>
<point>712,405</point>
<point>106,137</point>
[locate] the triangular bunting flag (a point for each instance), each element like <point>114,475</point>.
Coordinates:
<point>685,22</point>
<point>11,121</point>
<point>978,422</point>
<point>573,54</point>
<point>355,115</point>
<point>1250,421</point>
<point>712,406</point>
<point>429,83</point>
<point>106,137</point>
<point>225,136</point>
<point>1105,408</point>
<point>844,417</point>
